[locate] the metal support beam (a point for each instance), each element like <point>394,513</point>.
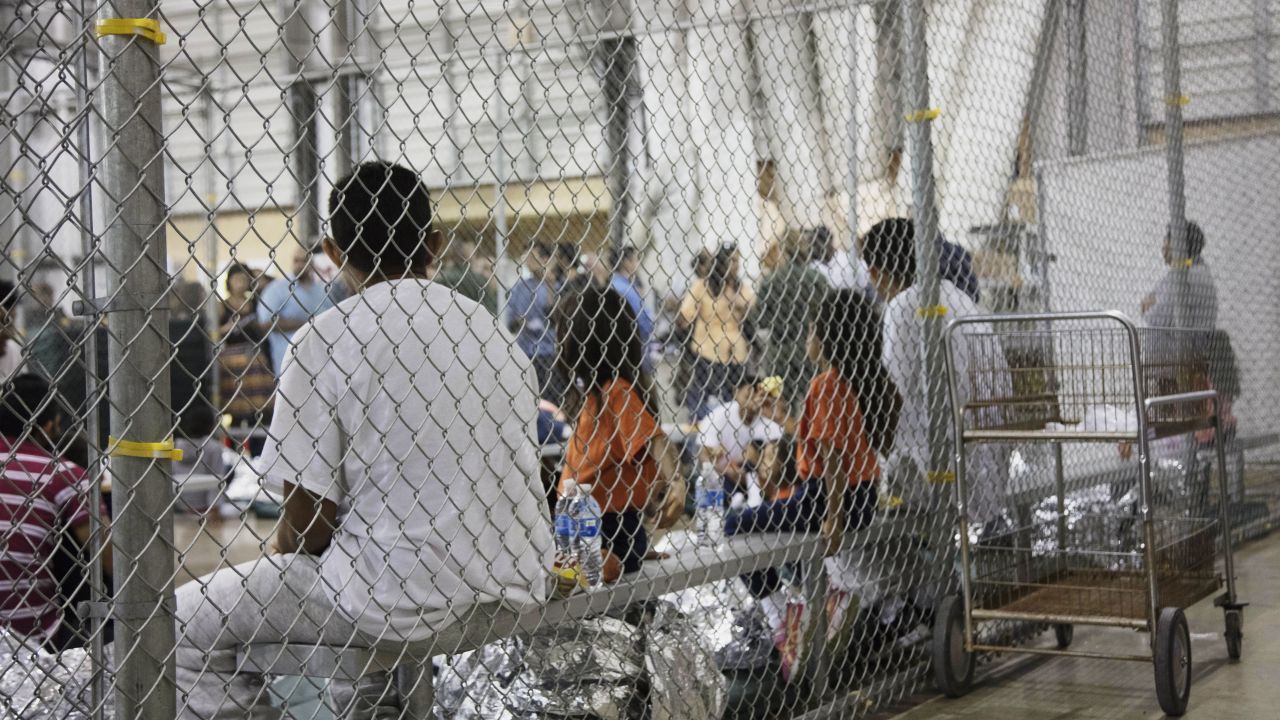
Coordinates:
<point>1264,92</point>
<point>1141,73</point>
<point>304,110</point>
<point>1077,77</point>
<point>919,114</point>
<point>1173,131</point>
<point>356,86</point>
<point>132,178</point>
<point>622,95</point>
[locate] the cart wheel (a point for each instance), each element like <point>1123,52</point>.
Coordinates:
<point>1173,661</point>
<point>952,664</point>
<point>1064,633</point>
<point>1235,632</point>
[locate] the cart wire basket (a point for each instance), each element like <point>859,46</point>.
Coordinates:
<point>1134,561</point>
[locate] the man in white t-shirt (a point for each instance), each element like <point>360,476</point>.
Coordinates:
<point>889,249</point>
<point>842,269</point>
<point>730,429</point>
<point>403,441</point>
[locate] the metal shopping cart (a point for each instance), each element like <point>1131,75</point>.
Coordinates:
<point>1074,378</point>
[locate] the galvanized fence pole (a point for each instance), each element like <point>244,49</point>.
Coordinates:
<point>132,181</point>
<point>919,116</point>
<point>937,522</point>
<point>86,70</point>
<point>1173,103</point>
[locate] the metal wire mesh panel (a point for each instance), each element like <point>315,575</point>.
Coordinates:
<point>584,358</point>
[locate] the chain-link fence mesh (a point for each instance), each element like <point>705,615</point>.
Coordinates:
<point>342,338</point>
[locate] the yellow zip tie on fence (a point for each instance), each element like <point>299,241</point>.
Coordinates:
<point>1179,100</point>
<point>922,115</point>
<point>145,27</point>
<point>934,311</point>
<point>163,450</point>
<point>1188,263</point>
<point>941,476</point>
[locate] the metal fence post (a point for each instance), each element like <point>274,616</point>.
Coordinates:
<point>1173,102</point>
<point>303,103</point>
<point>925,214</point>
<point>132,180</point>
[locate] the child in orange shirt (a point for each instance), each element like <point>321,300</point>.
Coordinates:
<point>617,447</point>
<point>850,414</point>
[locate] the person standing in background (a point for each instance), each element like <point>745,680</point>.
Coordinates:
<point>840,268</point>
<point>784,310</point>
<point>289,303</point>
<point>1160,306</point>
<point>715,312</point>
<point>528,314</point>
<point>625,280</point>
<point>245,379</point>
<point>889,249</point>
<point>11,358</point>
<point>456,273</point>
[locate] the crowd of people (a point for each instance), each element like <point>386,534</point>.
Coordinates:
<point>404,406</point>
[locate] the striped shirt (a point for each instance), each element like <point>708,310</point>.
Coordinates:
<point>41,499</point>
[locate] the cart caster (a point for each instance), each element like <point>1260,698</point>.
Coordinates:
<point>1235,632</point>
<point>952,664</point>
<point>1064,633</point>
<point>1173,661</point>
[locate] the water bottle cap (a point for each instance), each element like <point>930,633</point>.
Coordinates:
<point>568,487</point>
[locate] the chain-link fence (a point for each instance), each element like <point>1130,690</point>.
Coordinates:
<point>516,359</point>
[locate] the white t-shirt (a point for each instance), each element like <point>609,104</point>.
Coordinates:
<point>11,361</point>
<point>724,429</point>
<point>413,411</point>
<point>845,271</point>
<point>1202,299</point>
<point>987,465</point>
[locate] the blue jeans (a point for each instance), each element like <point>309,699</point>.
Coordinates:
<point>802,512</point>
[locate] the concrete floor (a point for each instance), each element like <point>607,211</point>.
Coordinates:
<point>1041,688</point>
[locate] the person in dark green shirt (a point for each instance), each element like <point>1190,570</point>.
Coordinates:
<point>457,273</point>
<point>784,308</point>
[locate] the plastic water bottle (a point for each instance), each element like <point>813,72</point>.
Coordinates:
<point>566,530</point>
<point>586,516</point>
<point>709,517</point>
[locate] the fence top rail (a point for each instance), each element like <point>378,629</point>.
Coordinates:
<point>488,623</point>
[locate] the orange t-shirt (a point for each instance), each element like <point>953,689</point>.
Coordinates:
<point>609,448</point>
<point>833,416</point>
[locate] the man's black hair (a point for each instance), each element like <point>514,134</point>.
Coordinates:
<point>1195,241</point>
<point>889,246</point>
<point>8,295</point>
<point>380,217</point>
<point>27,403</point>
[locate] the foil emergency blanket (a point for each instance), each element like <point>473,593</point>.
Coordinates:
<point>37,685</point>
<point>596,668</point>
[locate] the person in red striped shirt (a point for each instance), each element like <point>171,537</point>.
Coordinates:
<point>44,502</point>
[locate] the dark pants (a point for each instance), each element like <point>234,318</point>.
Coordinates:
<point>802,512</point>
<point>710,380</point>
<point>623,535</point>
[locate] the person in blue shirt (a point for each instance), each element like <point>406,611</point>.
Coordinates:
<point>289,303</point>
<point>625,262</point>
<point>528,315</point>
